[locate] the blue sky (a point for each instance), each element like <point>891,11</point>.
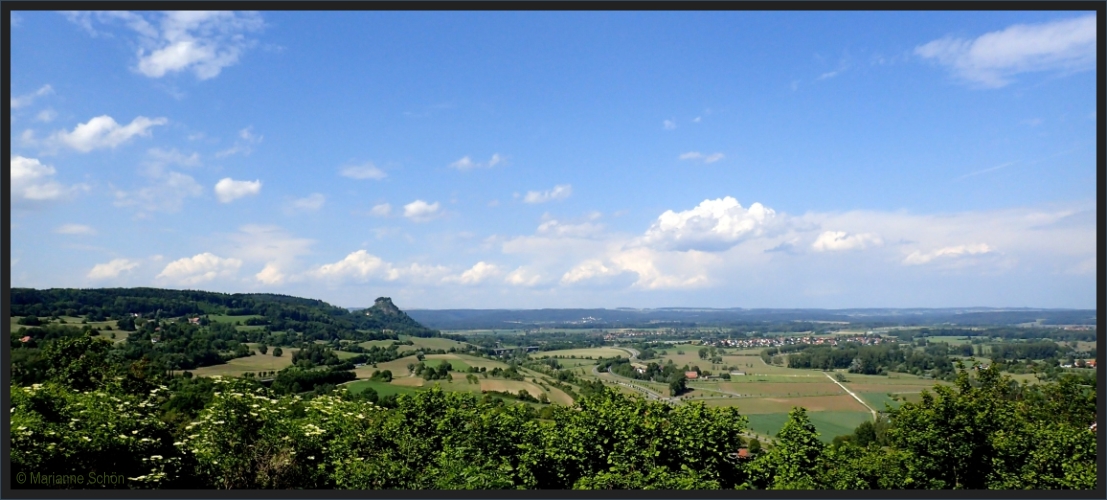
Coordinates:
<point>526,160</point>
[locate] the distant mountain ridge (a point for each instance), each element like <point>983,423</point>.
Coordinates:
<point>463,319</point>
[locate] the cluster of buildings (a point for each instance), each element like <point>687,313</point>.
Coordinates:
<point>763,342</point>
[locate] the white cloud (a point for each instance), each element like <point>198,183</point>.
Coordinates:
<point>159,158</point>
<point>712,225</point>
<point>32,182</point>
<point>668,124</point>
<point>111,269</point>
<point>199,269</point>
<point>559,192</point>
<point>697,119</point>
<point>522,276</point>
<point>381,210</point>
<point>244,144</point>
<point>421,211</point>
<point>696,155</point>
<point>993,59</point>
<point>480,272</point>
<point>311,203</point>
<point>560,229</point>
<point>840,240</point>
<point>270,275</point>
<point>75,229</point>
<point>919,258</point>
<point>203,42</point>
<point>103,132</point>
<point>466,163</point>
<point>587,270</point>
<point>361,172</point>
<point>359,264</point>
<point>228,190</point>
<point>28,99</point>
<point>46,115</point>
<point>166,192</point>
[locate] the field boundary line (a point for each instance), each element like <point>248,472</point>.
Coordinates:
<point>855,396</point>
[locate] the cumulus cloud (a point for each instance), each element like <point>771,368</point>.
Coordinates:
<point>32,182</point>
<point>588,270</point>
<point>360,264</point>
<point>28,99</point>
<point>270,275</point>
<point>199,269</point>
<point>311,203</point>
<point>919,258</point>
<point>993,59</point>
<point>103,132</point>
<point>165,192</point>
<point>465,163</point>
<point>710,226</point>
<point>228,190</point>
<point>480,272</point>
<point>559,192</point>
<point>421,211</point>
<point>203,42</point>
<point>697,156</point>
<point>381,210</point>
<point>522,276</point>
<point>830,241</point>
<point>362,172</point>
<point>75,229</point>
<point>111,269</point>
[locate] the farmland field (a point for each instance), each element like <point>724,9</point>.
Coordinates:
<point>594,352</point>
<point>813,404</point>
<point>829,424</point>
<point>382,388</point>
<point>433,342</point>
<point>436,360</point>
<point>256,363</point>
<point>512,386</point>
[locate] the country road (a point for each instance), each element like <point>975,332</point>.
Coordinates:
<point>855,396</point>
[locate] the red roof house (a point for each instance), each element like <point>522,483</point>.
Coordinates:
<point>691,375</point>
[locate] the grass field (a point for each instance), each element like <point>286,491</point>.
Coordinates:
<point>256,363</point>
<point>455,361</point>
<point>829,424</point>
<point>382,388</point>
<point>595,353</point>
<point>223,318</point>
<point>512,386</point>
<point>813,404</point>
<point>433,342</point>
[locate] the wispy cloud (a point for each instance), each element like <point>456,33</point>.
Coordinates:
<point>310,203</point>
<point>668,124</point>
<point>918,257</point>
<point>467,163</point>
<point>381,210</point>
<point>362,172</point>
<point>75,229</point>
<point>559,192</point>
<point>990,169</point>
<point>203,42</point>
<point>28,99</point>
<point>697,156</point>
<point>103,132</point>
<point>993,59</point>
<point>244,144</point>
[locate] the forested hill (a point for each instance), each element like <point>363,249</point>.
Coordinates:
<point>315,318</point>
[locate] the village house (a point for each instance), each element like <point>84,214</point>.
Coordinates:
<point>195,321</point>
<point>691,375</point>
<point>639,367</point>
